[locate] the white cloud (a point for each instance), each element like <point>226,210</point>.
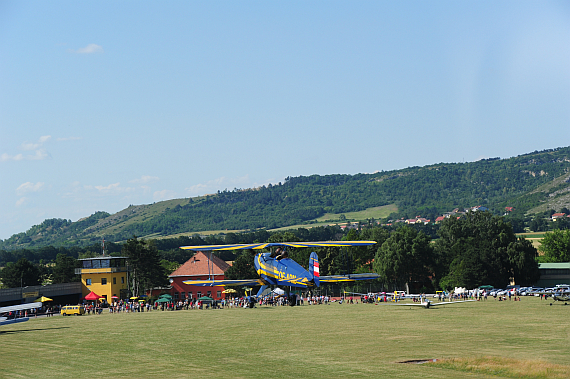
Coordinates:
<point>110,187</point>
<point>92,48</point>
<point>145,179</point>
<point>164,195</point>
<point>114,188</point>
<point>21,201</point>
<point>39,155</point>
<point>7,157</point>
<point>35,145</point>
<point>29,187</point>
<point>40,152</point>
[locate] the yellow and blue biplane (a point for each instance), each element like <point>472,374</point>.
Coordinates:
<point>277,269</point>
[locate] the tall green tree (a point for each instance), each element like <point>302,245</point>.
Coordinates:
<point>405,257</point>
<point>64,269</point>
<point>22,273</point>
<point>243,267</point>
<point>523,262</point>
<point>146,270</point>
<point>556,246</point>
<point>480,248</point>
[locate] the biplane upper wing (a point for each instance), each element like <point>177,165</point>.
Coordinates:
<point>348,278</point>
<point>211,283</point>
<point>257,246</point>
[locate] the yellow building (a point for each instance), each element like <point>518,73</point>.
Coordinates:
<point>106,276</point>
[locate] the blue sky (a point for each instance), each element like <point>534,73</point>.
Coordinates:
<point>106,104</point>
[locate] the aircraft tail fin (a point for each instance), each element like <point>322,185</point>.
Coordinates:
<point>314,268</point>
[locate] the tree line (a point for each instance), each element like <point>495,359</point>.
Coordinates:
<point>476,249</point>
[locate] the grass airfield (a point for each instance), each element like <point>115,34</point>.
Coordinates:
<point>492,339</point>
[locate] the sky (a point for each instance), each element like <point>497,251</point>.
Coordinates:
<point>105,104</point>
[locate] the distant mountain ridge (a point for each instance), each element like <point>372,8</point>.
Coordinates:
<point>529,182</point>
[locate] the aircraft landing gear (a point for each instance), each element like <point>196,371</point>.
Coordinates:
<point>292,299</point>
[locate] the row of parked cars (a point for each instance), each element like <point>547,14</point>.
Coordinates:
<point>528,291</point>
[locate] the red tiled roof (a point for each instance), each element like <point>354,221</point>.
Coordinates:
<point>198,265</point>
<point>559,215</point>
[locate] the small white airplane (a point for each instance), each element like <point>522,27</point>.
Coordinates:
<point>428,304</point>
<point>15,308</point>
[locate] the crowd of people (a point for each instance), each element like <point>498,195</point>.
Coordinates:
<point>134,306</point>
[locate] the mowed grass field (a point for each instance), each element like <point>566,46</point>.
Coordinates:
<point>471,340</point>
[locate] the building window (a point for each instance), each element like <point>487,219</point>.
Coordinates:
<point>114,280</point>
<point>175,295</point>
<point>183,295</point>
<point>209,293</point>
<point>87,282</point>
<point>103,281</point>
<point>122,280</point>
<point>199,294</point>
<point>219,294</point>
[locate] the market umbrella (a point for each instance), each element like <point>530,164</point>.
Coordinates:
<point>134,297</point>
<point>92,296</point>
<point>163,300</point>
<point>165,296</point>
<point>114,297</point>
<point>42,299</point>
<point>205,298</point>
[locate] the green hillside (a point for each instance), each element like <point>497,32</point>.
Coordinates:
<point>531,183</point>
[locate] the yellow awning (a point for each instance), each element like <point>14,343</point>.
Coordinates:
<point>42,299</point>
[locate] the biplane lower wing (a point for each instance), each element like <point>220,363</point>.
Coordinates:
<point>211,283</point>
<point>348,278</point>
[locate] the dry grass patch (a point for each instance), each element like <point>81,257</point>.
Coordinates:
<point>505,367</point>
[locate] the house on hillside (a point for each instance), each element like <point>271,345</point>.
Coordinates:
<point>556,216</point>
<point>479,208</point>
<point>439,219</point>
<point>202,266</point>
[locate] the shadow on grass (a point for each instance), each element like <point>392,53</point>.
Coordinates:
<point>30,330</point>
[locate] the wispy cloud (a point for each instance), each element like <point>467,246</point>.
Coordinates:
<point>92,48</point>
<point>40,152</point>
<point>114,188</point>
<point>35,145</point>
<point>7,157</point>
<point>21,201</point>
<point>164,195</point>
<point>29,187</point>
<point>145,179</point>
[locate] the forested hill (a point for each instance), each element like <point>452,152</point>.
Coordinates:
<point>523,182</point>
